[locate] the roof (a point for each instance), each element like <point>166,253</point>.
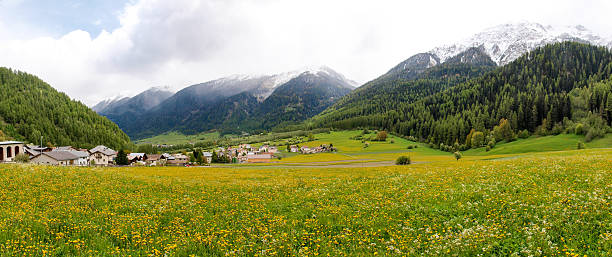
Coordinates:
<point>207,154</point>
<point>136,155</point>
<point>154,157</point>
<point>31,151</point>
<point>260,156</point>
<point>103,149</point>
<point>64,148</point>
<point>11,143</point>
<point>79,154</point>
<point>61,155</point>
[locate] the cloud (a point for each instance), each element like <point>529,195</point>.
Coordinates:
<point>183,42</point>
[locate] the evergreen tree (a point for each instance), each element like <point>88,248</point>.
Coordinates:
<point>121,158</point>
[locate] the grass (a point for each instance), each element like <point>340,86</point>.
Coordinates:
<point>546,204</point>
<point>175,138</point>
<point>542,144</point>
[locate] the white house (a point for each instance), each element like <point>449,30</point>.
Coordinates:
<point>208,156</point>
<point>59,158</point>
<point>102,155</point>
<point>10,149</point>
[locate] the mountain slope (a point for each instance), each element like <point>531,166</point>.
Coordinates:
<point>542,91</point>
<point>236,103</point>
<point>30,108</point>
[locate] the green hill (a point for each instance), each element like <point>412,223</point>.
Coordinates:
<point>30,108</point>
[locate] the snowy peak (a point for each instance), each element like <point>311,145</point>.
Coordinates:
<point>262,86</point>
<point>107,102</point>
<point>505,43</point>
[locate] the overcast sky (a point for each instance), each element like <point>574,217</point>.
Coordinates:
<point>98,49</point>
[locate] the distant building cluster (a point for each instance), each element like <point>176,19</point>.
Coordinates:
<point>245,153</point>
<point>313,150</point>
<point>143,159</point>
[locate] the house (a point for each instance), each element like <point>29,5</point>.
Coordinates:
<point>59,158</point>
<point>102,155</point>
<point>178,160</point>
<point>259,158</point>
<point>137,157</point>
<point>305,149</point>
<point>294,149</point>
<point>272,149</point>
<point>208,157</point>
<point>264,148</point>
<point>83,159</point>
<point>10,149</point>
<point>33,150</point>
<point>155,159</point>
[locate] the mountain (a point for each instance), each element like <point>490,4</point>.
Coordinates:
<point>137,104</point>
<point>240,103</point>
<point>443,67</point>
<point>546,91</point>
<point>505,43</point>
<point>30,108</point>
<point>501,44</point>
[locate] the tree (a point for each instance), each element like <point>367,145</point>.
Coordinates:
<point>215,157</point>
<point>381,136</point>
<point>200,160</point>
<point>478,139</point>
<point>22,158</point>
<point>457,155</point>
<point>402,160</point>
<point>122,158</point>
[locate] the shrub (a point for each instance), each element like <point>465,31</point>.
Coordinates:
<point>381,136</point>
<point>523,134</point>
<point>403,160</point>
<point>488,148</point>
<point>491,143</point>
<point>457,155</point>
<point>22,158</point>
<point>580,145</point>
<point>392,141</point>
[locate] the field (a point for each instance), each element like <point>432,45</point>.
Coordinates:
<point>542,205</point>
<point>543,144</point>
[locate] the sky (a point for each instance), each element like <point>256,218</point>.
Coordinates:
<point>98,49</point>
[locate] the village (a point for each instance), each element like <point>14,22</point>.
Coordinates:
<point>15,151</point>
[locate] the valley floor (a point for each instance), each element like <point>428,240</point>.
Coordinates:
<point>555,203</point>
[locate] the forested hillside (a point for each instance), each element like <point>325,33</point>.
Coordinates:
<point>30,108</point>
<point>554,89</point>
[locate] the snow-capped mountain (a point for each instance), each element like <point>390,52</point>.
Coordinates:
<point>107,102</point>
<point>261,86</point>
<point>238,102</point>
<point>505,43</point>
<point>139,103</point>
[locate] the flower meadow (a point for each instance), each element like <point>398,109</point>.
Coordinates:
<point>540,205</point>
